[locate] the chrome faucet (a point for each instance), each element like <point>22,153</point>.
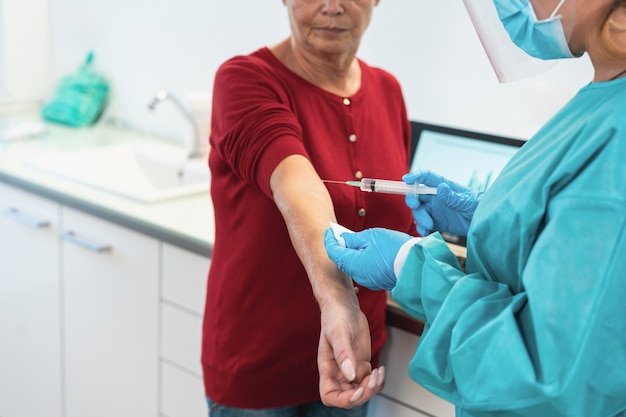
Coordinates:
<point>196,146</point>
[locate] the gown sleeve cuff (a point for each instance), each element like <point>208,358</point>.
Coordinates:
<point>403,253</point>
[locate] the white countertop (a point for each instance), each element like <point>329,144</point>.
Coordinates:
<point>183,219</point>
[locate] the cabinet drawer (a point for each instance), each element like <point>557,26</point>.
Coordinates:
<point>28,209</point>
<point>396,355</point>
<point>30,306</point>
<point>111,304</point>
<point>181,338</point>
<point>182,394</point>
<point>184,278</point>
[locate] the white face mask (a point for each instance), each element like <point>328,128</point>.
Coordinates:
<point>543,39</point>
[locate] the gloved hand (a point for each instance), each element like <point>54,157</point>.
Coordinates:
<point>450,211</point>
<point>368,256</point>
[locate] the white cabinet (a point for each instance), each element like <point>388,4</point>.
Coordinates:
<point>30,334</point>
<point>101,321</point>
<point>182,308</point>
<point>402,396</point>
<point>95,319</point>
<point>110,282</point>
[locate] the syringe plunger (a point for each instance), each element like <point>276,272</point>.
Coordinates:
<point>392,187</point>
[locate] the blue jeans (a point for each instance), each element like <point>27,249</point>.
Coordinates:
<point>316,409</point>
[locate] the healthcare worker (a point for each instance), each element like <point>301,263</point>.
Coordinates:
<point>535,324</point>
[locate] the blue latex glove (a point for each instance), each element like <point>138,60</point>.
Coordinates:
<point>368,256</point>
<point>450,211</point>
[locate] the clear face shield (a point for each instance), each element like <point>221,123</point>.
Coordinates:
<point>522,38</point>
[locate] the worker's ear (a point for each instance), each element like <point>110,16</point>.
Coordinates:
<point>614,32</point>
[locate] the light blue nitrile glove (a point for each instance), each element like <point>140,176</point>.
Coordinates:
<point>368,257</point>
<point>450,211</point>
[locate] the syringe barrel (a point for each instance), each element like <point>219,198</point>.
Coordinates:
<point>395,187</point>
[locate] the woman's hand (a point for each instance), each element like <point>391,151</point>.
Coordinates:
<point>344,354</point>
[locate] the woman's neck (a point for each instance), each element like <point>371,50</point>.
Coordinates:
<point>339,74</point>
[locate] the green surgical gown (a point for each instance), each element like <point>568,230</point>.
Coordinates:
<point>536,325</point>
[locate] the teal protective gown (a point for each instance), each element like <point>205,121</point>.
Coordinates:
<point>536,326</point>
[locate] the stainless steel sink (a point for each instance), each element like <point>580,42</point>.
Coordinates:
<point>146,172</point>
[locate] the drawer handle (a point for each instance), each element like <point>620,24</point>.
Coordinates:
<point>72,237</point>
<point>15,214</point>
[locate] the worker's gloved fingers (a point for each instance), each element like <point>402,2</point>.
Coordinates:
<point>423,177</point>
<point>376,282</point>
<point>412,201</point>
<point>421,205</point>
<point>432,180</point>
<point>369,256</point>
<point>452,211</point>
<point>425,223</point>
<point>415,202</point>
<point>410,178</point>
<point>360,263</point>
<point>333,248</point>
<point>463,203</point>
<point>348,259</point>
<point>467,203</point>
<point>354,240</point>
<point>448,197</point>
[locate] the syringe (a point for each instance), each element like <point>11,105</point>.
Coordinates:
<point>388,186</point>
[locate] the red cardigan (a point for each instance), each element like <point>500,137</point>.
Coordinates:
<point>262,323</point>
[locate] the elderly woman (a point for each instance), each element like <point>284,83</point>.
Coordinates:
<point>534,325</point>
<point>284,330</point>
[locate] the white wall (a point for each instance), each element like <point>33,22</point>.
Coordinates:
<point>24,50</point>
<point>433,49</point>
<point>3,92</point>
<point>3,87</point>
<point>147,45</point>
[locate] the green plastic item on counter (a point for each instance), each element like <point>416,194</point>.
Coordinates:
<point>79,99</point>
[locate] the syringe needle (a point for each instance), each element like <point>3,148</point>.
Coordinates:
<point>351,183</point>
